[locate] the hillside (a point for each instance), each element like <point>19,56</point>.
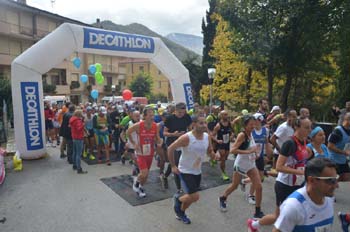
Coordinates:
<point>179,51</point>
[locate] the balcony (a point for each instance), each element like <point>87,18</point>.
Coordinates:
<point>62,90</point>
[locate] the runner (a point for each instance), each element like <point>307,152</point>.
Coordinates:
<point>246,149</point>
<point>317,146</point>
<point>311,207</point>
<point>344,220</point>
<point>176,125</point>
<point>212,119</point>
<point>89,136</point>
<point>148,137</point>
<point>221,135</point>
<point>339,148</point>
<point>100,124</point>
<point>290,166</point>
<point>194,145</point>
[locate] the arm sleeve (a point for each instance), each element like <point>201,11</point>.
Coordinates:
<point>290,216</point>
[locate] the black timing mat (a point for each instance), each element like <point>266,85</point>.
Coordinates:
<point>122,185</point>
<point>112,155</point>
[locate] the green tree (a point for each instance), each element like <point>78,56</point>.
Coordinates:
<point>208,31</point>
<point>141,85</point>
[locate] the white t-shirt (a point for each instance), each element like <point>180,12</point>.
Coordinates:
<point>193,155</point>
<point>283,133</point>
<point>299,213</point>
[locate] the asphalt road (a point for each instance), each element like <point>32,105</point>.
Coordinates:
<point>47,196</point>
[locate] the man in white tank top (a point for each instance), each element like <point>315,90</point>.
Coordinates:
<point>310,208</point>
<point>195,145</point>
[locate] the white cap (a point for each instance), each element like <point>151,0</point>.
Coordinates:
<point>258,116</point>
<point>103,110</point>
<point>275,108</point>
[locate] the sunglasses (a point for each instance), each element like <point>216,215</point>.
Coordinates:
<point>328,179</point>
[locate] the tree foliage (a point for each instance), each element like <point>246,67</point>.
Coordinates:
<point>141,85</point>
<point>299,51</point>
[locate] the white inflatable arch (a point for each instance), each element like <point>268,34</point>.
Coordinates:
<point>27,70</point>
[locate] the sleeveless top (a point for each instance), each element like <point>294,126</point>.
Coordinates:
<point>324,148</point>
<point>336,157</point>
<point>224,133</point>
<point>260,139</point>
<point>296,161</point>
<point>193,155</point>
<point>147,138</point>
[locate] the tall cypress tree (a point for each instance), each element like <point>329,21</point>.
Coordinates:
<point>208,31</point>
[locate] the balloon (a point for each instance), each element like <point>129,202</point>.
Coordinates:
<point>100,80</point>
<point>98,67</point>
<point>76,62</point>
<point>84,78</point>
<point>127,94</point>
<point>98,75</point>
<point>92,69</point>
<point>94,94</point>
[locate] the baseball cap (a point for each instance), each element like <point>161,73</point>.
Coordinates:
<point>259,117</point>
<point>103,110</point>
<point>275,108</point>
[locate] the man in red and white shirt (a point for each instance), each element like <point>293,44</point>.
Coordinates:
<point>147,136</point>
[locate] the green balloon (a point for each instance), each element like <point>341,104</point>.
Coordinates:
<point>100,80</point>
<point>98,67</point>
<point>98,75</point>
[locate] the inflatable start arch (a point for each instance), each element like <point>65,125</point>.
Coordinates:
<point>27,70</point>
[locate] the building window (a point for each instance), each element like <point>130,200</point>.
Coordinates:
<point>74,77</point>
<point>63,80</point>
<point>55,79</point>
<point>141,68</point>
<point>159,72</point>
<point>109,80</point>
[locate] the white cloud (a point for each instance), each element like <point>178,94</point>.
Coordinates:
<point>162,16</point>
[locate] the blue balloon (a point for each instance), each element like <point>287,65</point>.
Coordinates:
<point>92,69</point>
<point>76,62</point>
<point>94,94</point>
<point>84,78</point>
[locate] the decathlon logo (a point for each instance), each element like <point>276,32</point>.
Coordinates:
<point>108,40</point>
<point>188,95</point>
<point>32,116</point>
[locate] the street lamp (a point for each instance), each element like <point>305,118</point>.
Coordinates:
<point>211,75</point>
<point>113,91</point>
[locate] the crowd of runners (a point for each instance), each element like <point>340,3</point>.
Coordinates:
<point>287,146</point>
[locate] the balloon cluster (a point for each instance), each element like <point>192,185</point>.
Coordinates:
<point>96,69</point>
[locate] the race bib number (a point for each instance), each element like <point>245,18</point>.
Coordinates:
<point>146,149</point>
<point>226,138</point>
<point>299,178</point>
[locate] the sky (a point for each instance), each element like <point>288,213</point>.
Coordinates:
<point>161,16</point>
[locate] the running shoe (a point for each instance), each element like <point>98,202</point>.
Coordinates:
<point>85,154</point>
<point>222,204</point>
<point>344,223</point>
<point>251,200</point>
<point>183,217</point>
<point>212,163</point>
<point>123,159</point>
<point>166,184</point>
<point>250,226</point>
<point>177,205</point>
<point>91,157</point>
<point>162,182</point>
<point>135,187</point>
<point>259,214</point>
<point>225,177</point>
<point>141,192</point>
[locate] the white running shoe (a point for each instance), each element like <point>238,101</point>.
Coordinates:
<point>251,200</point>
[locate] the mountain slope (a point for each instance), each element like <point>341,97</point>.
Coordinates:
<point>192,42</point>
<point>179,51</point>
